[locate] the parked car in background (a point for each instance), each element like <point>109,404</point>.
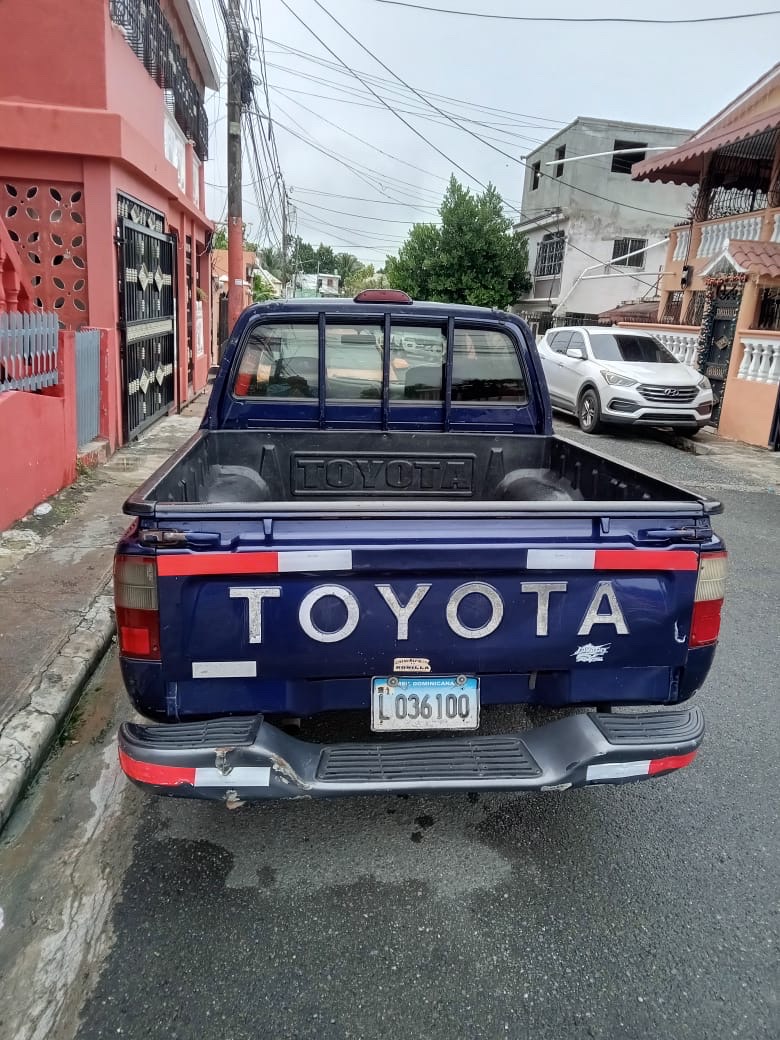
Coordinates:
<point>614,375</point>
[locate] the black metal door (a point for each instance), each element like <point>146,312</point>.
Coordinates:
<point>188,278</point>
<point>147,299</point>
<point>715,364</point>
<point>774,433</point>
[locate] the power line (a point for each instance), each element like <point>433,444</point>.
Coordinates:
<point>362,141</point>
<point>406,122</point>
<point>408,111</point>
<point>354,92</point>
<point>593,20</point>
<point>340,227</point>
<point>399,186</point>
<point>441,97</point>
<point>507,155</point>
<point>363,216</point>
<point>359,198</point>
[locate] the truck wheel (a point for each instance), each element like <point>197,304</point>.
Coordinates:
<point>589,412</point>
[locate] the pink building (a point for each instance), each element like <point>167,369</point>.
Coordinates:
<point>720,293</point>
<point>102,138</point>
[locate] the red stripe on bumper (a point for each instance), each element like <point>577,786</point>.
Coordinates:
<point>663,765</point>
<point>646,560</point>
<point>181,565</point>
<point>159,776</point>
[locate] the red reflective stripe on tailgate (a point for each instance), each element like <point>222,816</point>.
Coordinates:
<point>179,565</point>
<point>646,560</point>
<point>160,776</point>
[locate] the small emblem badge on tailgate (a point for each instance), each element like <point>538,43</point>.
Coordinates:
<point>589,653</point>
<point>411,664</point>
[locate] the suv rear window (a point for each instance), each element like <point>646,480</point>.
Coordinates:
<point>625,347</point>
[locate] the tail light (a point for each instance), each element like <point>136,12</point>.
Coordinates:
<point>137,613</point>
<point>710,589</point>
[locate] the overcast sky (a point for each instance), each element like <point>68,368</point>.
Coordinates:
<point>540,76</point>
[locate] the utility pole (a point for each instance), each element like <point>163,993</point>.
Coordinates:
<point>235,219</point>
<point>284,231</point>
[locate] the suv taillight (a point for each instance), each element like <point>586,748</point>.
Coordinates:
<point>137,615</point>
<point>710,590</point>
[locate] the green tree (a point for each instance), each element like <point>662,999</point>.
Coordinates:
<point>347,267</point>
<point>219,240</point>
<point>472,257</point>
<point>261,289</point>
<point>273,261</point>
<point>311,260</point>
<point>366,277</point>
<point>326,258</point>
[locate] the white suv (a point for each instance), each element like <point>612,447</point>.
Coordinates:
<point>615,375</point>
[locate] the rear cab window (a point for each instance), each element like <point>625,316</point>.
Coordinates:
<point>281,361</point>
<point>486,368</point>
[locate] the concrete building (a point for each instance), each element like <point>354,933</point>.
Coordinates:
<point>596,238</point>
<point>103,133</point>
<point>319,284</point>
<point>720,294</point>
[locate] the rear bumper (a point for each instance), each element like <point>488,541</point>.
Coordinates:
<point>246,759</point>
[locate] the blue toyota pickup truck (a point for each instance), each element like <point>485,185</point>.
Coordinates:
<point>374,552</point>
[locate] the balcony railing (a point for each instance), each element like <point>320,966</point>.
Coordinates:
<point>760,359</point>
<point>683,238</point>
<point>714,236</point>
<point>149,34</point>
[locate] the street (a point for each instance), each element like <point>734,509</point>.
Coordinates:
<point>617,912</point>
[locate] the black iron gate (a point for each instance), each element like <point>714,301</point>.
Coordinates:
<point>715,363</point>
<point>188,281</point>
<point>147,307</point>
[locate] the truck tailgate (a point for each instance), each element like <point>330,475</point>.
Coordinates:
<point>303,627</point>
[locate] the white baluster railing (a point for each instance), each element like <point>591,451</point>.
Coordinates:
<point>683,345</point>
<point>715,236</point>
<point>681,245</point>
<point>776,232</point>
<point>747,359</point>
<point>760,360</point>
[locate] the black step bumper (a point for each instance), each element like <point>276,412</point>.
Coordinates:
<point>247,759</point>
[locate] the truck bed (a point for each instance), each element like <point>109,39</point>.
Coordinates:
<point>348,472</point>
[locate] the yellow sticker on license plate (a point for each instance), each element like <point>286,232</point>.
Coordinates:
<point>424,702</point>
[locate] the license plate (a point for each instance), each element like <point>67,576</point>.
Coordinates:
<point>424,702</point>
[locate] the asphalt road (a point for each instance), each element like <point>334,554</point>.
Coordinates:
<point>649,910</point>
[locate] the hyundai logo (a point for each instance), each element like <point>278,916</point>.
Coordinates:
<point>670,391</point>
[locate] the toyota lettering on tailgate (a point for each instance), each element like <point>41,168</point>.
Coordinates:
<point>603,608</point>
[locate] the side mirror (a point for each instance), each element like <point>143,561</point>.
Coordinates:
<point>576,352</point>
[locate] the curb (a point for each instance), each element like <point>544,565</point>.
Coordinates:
<point>51,696</point>
<point>690,445</point>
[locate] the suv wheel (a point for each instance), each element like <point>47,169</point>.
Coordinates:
<point>589,412</point>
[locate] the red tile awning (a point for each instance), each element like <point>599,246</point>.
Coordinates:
<point>682,165</point>
<point>646,310</point>
<point>757,257</point>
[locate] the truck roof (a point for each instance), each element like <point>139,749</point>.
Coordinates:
<point>417,308</point>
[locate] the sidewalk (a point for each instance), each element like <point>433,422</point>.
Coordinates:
<point>55,599</point>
